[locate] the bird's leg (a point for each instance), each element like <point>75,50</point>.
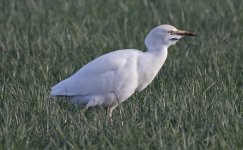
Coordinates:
<point>121,118</point>
<point>82,113</point>
<point>110,109</point>
<point>110,116</point>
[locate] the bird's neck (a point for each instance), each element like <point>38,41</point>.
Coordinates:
<point>158,58</point>
<point>160,52</point>
<point>150,64</point>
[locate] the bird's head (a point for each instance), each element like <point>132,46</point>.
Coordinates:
<point>164,36</point>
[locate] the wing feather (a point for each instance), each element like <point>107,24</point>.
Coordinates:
<point>96,77</point>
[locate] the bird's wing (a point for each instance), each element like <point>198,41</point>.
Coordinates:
<point>96,77</point>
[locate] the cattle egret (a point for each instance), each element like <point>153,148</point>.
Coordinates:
<point>110,79</point>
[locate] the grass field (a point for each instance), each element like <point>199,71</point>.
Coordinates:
<point>195,102</point>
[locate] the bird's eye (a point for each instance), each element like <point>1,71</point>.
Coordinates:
<point>171,32</point>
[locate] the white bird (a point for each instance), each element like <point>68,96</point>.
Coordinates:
<point>112,78</point>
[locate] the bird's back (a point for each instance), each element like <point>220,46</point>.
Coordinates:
<point>98,76</point>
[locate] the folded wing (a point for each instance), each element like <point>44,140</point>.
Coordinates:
<point>96,77</point>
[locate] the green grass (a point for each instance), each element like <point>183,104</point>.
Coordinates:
<point>195,102</point>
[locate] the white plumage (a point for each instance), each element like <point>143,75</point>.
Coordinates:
<point>112,78</point>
